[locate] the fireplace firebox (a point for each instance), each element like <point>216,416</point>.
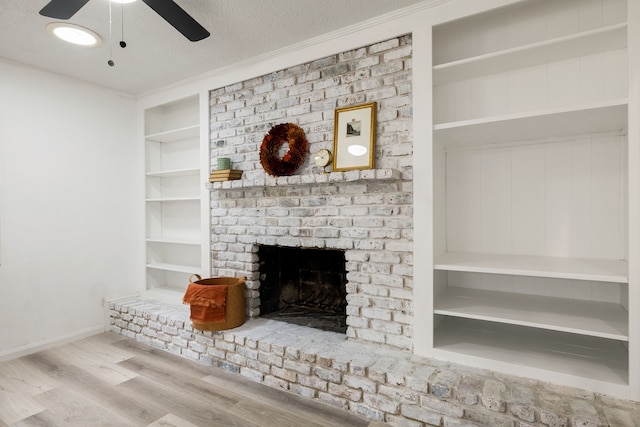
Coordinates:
<point>304,286</point>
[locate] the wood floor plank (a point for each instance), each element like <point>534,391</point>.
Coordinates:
<point>97,361</point>
<point>112,397</point>
<point>180,380</point>
<point>171,420</point>
<point>265,414</point>
<point>105,338</point>
<point>19,377</point>
<point>66,407</point>
<point>102,349</point>
<point>41,419</point>
<point>188,406</point>
<point>16,406</point>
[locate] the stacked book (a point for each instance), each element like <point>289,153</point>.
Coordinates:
<point>225,175</point>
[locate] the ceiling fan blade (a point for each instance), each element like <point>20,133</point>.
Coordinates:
<point>179,19</point>
<point>62,9</point>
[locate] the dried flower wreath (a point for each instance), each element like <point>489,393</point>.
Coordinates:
<point>294,157</point>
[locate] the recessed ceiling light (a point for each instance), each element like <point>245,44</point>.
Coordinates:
<point>75,34</point>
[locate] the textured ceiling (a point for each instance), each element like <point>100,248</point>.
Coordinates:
<point>156,54</point>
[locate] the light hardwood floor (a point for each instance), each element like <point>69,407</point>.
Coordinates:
<point>109,380</point>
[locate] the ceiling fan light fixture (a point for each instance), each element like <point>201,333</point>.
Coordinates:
<point>169,10</point>
<point>75,34</point>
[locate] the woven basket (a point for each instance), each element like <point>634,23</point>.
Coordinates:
<point>234,310</point>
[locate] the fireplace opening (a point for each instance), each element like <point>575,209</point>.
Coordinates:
<point>304,286</point>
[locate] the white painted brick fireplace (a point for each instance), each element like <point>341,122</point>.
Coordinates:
<point>367,213</point>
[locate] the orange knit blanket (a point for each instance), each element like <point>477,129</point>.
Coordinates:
<point>208,302</point>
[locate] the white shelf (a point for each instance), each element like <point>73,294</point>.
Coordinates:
<point>584,119</point>
<point>175,267</point>
<point>174,240</point>
<point>597,319</point>
<point>572,355</point>
<point>175,134</point>
<point>536,266</point>
<point>575,45</point>
<point>174,199</point>
<point>174,173</point>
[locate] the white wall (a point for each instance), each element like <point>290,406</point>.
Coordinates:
<point>69,215</point>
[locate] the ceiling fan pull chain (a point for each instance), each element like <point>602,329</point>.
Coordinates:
<point>110,61</point>
<point>123,44</point>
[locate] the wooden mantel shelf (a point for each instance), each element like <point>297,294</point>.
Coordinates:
<point>309,179</point>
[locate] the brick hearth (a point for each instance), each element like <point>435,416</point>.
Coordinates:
<point>378,383</point>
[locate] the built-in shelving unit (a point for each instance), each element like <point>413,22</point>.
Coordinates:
<point>174,246</point>
<point>530,137</point>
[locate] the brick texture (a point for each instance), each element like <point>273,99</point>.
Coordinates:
<point>368,214</point>
<point>381,384</point>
